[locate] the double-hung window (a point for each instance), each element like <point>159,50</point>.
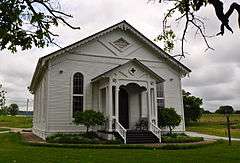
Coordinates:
<point>160,96</point>
<point>77,93</point>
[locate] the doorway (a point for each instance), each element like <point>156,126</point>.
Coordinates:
<point>123,108</point>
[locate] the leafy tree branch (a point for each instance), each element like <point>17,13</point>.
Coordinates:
<point>188,10</point>
<point>27,23</point>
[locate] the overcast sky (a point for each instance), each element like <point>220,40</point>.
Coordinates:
<point>215,74</point>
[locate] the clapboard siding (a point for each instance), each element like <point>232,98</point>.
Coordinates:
<point>93,59</point>
<point>60,84</point>
<point>40,106</point>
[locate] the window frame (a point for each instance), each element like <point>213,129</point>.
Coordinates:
<point>74,95</point>
<point>160,98</point>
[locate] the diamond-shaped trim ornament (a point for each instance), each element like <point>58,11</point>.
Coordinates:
<point>132,70</point>
<point>121,43</point>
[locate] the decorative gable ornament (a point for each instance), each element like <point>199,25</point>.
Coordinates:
<point>121,44</point>
<point>132,70</point>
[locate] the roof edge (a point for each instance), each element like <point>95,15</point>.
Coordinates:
<point>125,25</point>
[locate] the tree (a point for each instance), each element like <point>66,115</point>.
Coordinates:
<point>2,96</point>
<point>187,11</point>
<point>4,110</point>
<point>167,117</point>
<point>206,112</point>
<point>192,107</point>
<point>225,110</point>
<point>13,109</point>
<point>237,112</point>
<point>89,118</point>
<point>25,23</point>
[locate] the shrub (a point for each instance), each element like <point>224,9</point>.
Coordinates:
<point>142,124</point>
<point>87,138</point>
<point>168,117</point>
<point>180,138</point>
<point>89,118</point>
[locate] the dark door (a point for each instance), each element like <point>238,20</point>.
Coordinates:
<point>123,108</point>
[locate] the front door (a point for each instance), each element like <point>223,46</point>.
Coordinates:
<point>123,108</point>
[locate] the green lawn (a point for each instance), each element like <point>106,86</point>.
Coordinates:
<point>4,129</point>
<point>215,124</point>
<point>12,150</point>
<point>15,121</point>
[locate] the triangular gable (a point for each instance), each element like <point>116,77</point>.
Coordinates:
<point>122,25</point>
<point>137,62</point>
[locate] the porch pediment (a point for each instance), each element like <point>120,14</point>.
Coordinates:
<point>131,70</point>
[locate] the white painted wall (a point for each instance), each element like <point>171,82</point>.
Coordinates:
<point>93,59</point>
<point>40,107</point>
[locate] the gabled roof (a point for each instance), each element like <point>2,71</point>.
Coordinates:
<point>137,62</point>
<point>122,25</point>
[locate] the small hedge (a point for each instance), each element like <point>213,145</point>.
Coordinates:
<point>87,138</point>
<point>180,138</point>
<point>126,146</point>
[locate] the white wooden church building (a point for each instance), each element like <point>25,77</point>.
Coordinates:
<point>117,71</point>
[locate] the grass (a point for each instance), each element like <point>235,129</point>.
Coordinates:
<point>180,138</point>
<point>15,121</point>
<point>13,150</point>
<point>4,129</point>
<point>215,124</point>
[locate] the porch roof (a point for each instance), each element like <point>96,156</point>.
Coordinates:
<point>137,62</point>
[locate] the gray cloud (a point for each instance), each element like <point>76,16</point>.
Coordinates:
<point>210,75</point>
<point>215,73</point>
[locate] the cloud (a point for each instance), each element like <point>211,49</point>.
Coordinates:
<point>214,74</point>
<point>208,75</point>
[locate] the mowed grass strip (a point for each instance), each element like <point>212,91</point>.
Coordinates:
<point>215,124</point>
<point>13,150</point>
<point>4,129</point>
<point>15,121</point>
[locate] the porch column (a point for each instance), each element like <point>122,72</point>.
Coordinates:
<point>110,106</point>
<point>149,106</point>
<point>116,103</point>
<point>155,105</point>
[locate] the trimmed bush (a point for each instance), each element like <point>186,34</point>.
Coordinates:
<point>86,138</point>
<point>89,118</point>
<point>168,117</point>
<point>180,138</point>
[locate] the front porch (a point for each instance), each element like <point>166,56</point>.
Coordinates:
<point>126,96</point>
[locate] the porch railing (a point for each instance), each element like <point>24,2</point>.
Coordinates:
<point>155,130</point>
<point>122,131</point>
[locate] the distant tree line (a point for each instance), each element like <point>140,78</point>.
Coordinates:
<point>9,110</point>
<point>193,110</point>
<point>227,109</point>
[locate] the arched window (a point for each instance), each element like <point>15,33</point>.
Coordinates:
<point>160,96</point>
<point>77,92</point>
